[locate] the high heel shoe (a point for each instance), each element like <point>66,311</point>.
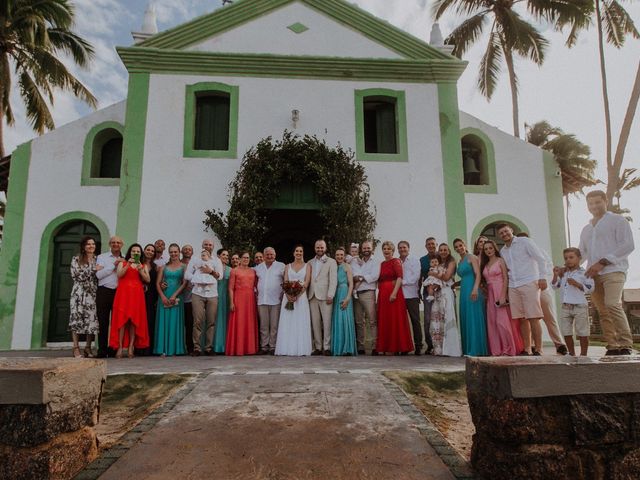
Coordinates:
<point>88,353</point>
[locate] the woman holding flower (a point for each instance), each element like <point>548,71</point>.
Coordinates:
<point>294,327</point>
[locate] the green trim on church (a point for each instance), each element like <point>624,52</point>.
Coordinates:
<point>89,175</point>
<point>12,240</point>
<point>132,157</point>
<point>341,11</point>
<point>555,208</point>
<point>153,60</point>
<point>453,177</point>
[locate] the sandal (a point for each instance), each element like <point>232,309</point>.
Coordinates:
<point>76,352</point>
<point>130,353</point>
<point>88,353</point>
<point>119,353</point>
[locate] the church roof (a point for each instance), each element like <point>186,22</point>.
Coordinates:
<point>341,11</point>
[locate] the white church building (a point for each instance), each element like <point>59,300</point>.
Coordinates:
<point>202,94</point>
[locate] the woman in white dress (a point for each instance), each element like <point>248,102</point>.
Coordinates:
<point>444,326</point>
<point>294,327</point>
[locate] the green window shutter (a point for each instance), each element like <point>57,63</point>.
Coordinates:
<point>111,158</point>
<point>212,122</point>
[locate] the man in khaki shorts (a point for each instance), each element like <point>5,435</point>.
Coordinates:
<point>527,267</point>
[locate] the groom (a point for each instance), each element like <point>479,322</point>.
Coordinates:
<point>322,288</point>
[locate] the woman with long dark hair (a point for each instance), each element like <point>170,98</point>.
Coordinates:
<point>83,318</point>
<point>129,317</point>
<point>444,326</point>
<point>150,294</point>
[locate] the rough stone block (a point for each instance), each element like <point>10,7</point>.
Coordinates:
<point>602,419</point>
<point>41,398</point>
<point>60,458</point>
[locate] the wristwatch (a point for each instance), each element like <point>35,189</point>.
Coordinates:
<point>604,262</point>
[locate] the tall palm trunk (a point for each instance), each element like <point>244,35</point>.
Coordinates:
<point>566,199</point>
<point>625,131</point>
<point>612,177</point>
<point>508,57</point>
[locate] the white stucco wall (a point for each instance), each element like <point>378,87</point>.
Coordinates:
<point>269,34</point>
<point>176,190</point>
<point>54,189</point>
<point>521,186</point>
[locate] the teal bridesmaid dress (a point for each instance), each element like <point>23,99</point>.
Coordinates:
<point>169,335</point>
<point>473,326</point>
<point>220,336</point>
<point>343,326</point>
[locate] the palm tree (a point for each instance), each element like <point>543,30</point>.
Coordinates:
<point>628,180</point>
<point>614,23</point>
<point>574,159</point>
<point>32,33</point>
<point>510,35</point>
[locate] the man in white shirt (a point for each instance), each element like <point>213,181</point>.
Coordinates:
<point>106,264</point>
<point>606,243</point>
<point>161,257</point>
<point>270,275</point>
<point>410,289</point>
<point>204,302</point>
<point>527,266</point>
<point>364,307</point>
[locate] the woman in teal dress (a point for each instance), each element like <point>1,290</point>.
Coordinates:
<point>220,336</point>
<point>169,335</point>
<point>343,327</point>
<point>473,326</point>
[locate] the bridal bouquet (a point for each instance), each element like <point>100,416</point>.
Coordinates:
<point>293,289</point>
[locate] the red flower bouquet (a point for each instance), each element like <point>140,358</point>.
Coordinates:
<point>293,289</point>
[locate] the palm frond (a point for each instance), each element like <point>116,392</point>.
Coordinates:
<point>490,66</point>
<point>617,23</point>
<point>461,7</point>
<point>539,133</point>
<point>38,112</point>
<point>466,34</point>
<point>68,42</point>
<point>522,37</point>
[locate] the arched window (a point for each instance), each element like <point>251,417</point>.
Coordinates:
<point>211,120</point>
<point>103,155</point>
<point>381,126</point>
<point>478,162</point>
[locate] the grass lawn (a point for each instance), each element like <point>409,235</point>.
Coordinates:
<point>442,398</point>
<point>127,399</point>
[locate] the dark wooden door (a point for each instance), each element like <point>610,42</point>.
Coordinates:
<point>66,245</point>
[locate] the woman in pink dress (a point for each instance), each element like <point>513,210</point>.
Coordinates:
<point>394,334</point>
<point>242,328</point>
<point>502,331</point>
<point>129,315</point>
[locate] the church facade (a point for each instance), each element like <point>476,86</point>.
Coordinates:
<point>201,94</point>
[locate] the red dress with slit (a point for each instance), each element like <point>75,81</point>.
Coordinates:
<point>394,334</point>
<point>242,327</point>
<point>129,304</point>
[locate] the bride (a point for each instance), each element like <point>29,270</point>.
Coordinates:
<point>294,328</point>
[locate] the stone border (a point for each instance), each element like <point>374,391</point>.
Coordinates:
<point>457,464</point>
<point>111,455</point>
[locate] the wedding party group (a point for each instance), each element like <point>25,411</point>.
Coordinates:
<point>491,301</point>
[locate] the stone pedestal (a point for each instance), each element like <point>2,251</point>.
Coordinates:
<point>555,418</point>
<point>48,408</point>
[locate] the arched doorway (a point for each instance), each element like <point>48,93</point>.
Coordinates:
<point>65,245</point>
<point>293,218</point>
<point>491,231</point>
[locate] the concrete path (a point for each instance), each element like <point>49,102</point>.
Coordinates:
<point>285,426</point>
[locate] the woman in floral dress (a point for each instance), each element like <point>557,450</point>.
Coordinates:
<point>83,319</point>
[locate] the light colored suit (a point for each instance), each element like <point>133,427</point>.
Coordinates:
<point>324,280</point>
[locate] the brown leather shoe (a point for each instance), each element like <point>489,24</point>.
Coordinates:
<point>327,353</point>
<point>316,352</point>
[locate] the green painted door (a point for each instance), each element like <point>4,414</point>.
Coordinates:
<point>66,245</point>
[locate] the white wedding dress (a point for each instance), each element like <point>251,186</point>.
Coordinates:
<point>294,327</point>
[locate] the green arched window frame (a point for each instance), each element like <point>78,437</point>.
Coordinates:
<point>398,96</point>
<point>192,92</point>
<point>488,161</point>
<point>497,218</point>
<point>91,158</point>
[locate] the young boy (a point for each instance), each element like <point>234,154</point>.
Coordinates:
<point>433,284</point>
<point>573,284</point>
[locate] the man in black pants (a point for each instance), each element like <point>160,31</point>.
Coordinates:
<point>106,264</point>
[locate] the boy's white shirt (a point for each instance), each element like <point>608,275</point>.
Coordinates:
<point>570,294</point>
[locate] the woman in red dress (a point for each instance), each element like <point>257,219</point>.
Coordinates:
<point>129,314</point>
<point>242,328</point>
<point>394,334</point>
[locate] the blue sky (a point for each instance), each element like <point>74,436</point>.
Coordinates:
<point>565,91</point>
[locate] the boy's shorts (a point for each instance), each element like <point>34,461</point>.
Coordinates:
<point>575,316</point>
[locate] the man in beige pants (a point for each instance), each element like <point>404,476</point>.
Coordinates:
<point>204,302</point>
<point>322,289</point>
<point>606,243</point>
<point>364,307</point>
